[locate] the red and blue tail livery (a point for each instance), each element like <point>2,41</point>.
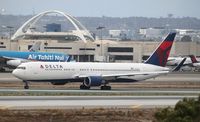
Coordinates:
<point>161,54</point>
<point>193,59</point>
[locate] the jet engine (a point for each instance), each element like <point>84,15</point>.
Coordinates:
<point>93,81</point>
<point>14,63</point>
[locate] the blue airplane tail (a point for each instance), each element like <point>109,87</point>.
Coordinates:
<point>161,54</point>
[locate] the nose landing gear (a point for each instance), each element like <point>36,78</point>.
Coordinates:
<point>26,86</point>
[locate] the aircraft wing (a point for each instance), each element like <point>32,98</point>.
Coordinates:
<point>3,61</point>
<point>124,74</point>
<point>4,58</point>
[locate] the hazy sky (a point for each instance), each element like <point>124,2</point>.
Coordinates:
<point>113,8</point>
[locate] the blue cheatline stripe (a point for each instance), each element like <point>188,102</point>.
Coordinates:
<point>40,56</point>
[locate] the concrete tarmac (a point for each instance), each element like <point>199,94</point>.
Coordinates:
<point>113,91</point>
<point>65,102</point>
<point>8,77</point>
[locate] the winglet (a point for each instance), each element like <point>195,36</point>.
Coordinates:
<point>69,59</point>
<point>161,54</point>
<point>178,67</point>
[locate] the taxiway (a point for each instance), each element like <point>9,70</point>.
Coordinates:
<point>65,102</point>
<point>163,91</point>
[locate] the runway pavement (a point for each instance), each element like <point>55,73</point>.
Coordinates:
<point>65,102</point>
<point>113,91</point>
<point>179,76</point>
<point>8,77</point>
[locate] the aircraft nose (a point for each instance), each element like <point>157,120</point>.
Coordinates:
<point>17,73</point>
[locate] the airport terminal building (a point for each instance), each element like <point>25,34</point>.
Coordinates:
<point>102,50</point>
<point>81,45</point>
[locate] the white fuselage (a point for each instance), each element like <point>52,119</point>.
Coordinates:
<point>173,61</point>
<point>197,65</point>
<point>40,71</point>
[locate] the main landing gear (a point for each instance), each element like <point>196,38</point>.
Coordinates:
<point>84,87</point>
<point>2,70</point>
<point>104,87</point>
<point>26,86</point>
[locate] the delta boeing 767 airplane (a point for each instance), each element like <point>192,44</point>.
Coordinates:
<point>97,74</point>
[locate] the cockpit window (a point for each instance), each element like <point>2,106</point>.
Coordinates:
<point>21,68</point>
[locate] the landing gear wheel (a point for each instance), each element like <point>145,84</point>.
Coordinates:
<point>2,70</point>
<point>26,85</point>
<point>84,87</point>
<point>105,87</point>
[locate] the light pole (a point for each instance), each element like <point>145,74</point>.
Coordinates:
<point>100,28</point>
<point>46,44</point>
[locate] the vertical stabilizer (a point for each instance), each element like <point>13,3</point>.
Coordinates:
<point>161,54</point>
<point>193,59</point>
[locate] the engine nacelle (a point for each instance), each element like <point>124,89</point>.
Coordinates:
<point>93,81</point>
<point>14,62</point>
